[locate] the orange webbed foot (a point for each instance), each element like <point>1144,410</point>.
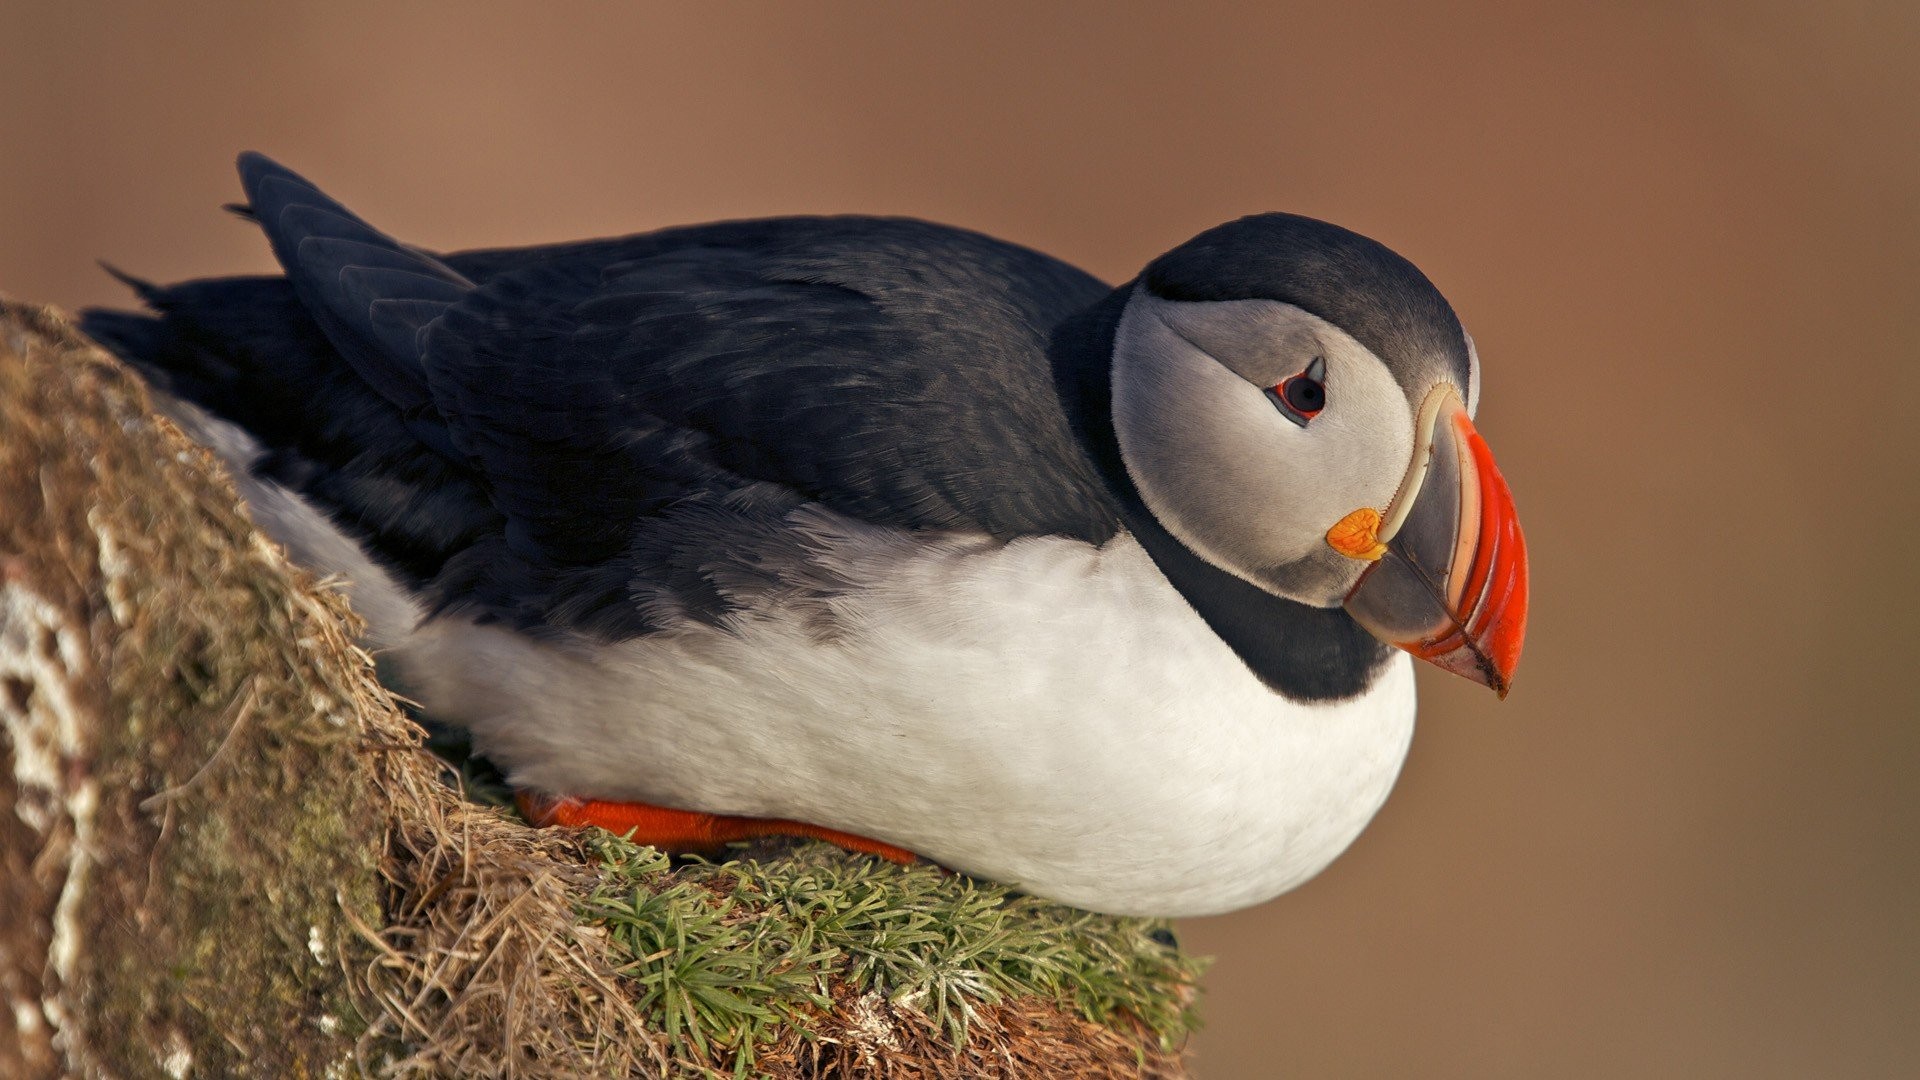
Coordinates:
<point>685,830</point>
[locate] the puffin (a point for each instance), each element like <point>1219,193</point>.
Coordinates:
<point>880,531</point>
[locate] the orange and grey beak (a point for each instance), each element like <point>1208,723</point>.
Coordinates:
<point>1449,576</point>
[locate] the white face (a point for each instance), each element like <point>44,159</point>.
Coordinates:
<point>1223,468</point>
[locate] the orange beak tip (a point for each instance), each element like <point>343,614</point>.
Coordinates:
<point>1453,591</point>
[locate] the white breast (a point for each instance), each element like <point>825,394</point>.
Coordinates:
<point>1043,712</point>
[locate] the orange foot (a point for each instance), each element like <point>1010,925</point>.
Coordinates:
<point>684,830</point>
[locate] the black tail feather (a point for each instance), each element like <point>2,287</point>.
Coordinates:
<point>147,291</point>
<point>246,350</point>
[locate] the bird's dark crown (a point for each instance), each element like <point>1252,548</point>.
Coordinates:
<point>1356,283</point>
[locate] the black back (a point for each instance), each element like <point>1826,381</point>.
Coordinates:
<point>533,430</point>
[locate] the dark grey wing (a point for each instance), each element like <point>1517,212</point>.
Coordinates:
<point>611,406</point>
<point>627,407</point>
<point>891,410</point>
<point>372,295</point>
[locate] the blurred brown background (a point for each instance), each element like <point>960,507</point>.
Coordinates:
<point>1686,237</point>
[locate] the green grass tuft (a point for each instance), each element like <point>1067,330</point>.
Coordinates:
<point>727,954</point>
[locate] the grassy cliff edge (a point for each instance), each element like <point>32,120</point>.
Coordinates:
<point>225,851</point>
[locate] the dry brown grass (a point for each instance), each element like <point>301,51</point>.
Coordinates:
<point>482,968</point>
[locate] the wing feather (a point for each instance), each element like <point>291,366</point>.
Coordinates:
<point>612,401</point>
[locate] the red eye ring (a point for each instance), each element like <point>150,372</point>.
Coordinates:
<point>1301,397</point>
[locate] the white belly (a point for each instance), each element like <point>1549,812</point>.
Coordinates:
<point>1044,713</point>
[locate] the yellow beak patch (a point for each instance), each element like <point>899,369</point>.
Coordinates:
<point>1357,536</point>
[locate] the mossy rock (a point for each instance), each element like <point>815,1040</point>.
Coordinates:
<point>225,852</point>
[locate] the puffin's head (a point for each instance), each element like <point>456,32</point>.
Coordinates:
<point>1293,402</point>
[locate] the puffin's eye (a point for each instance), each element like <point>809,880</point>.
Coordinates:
<point>1301,397</point>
